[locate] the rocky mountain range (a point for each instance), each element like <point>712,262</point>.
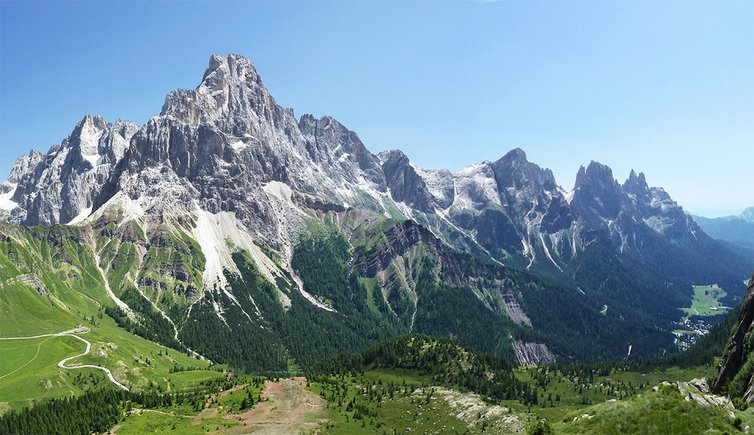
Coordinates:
<point>223,170</point>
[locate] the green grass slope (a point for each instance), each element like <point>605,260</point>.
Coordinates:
<point>49,283</point>
<point>665,411</point>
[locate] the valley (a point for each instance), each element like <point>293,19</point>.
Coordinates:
<point>707,301</point>
<point>706,310</point>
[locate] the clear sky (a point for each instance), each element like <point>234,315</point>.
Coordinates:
<point>666,88</point>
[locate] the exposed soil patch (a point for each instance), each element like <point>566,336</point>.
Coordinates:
<point>289,409</point>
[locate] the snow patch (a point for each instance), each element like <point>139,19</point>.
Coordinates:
<point>220,312</point>
<point>405,210</point>
<point>476,187</point>
<point>122,305</point>
<point>443,214</point>
<point>528,251</point>
<point>89,143</point>
<point>219,236</point>
<point>438,182</point>
<point>288,214</point>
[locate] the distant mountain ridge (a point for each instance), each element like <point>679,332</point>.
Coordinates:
<point>224,176</point>
<point>738,230</point>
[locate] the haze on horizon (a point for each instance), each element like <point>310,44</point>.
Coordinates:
<point>666,88</point>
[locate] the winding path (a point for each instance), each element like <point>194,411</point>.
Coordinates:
<point>62,363</point>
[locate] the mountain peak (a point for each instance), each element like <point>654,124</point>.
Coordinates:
<point>231,96</point>
<point>636,184</point>
<point>88,124</point>
<point>229,67</point>
<point>748,214</point>
<point>515,158</point>
<point>596,172</point>
<point>395,155</point>
<point>516,154</point>
<point>24,165</point>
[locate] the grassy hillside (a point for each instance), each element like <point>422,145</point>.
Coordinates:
<point>49,283</point>
<point>666,410</point>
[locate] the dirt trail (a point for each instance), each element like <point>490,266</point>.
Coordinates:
<point>62,363</point>
<point>289,409</point>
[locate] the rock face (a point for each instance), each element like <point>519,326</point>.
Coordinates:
<point>24,165</point>
<point>406,185</point>
<point>61,185</point>
<point>532,353</point>
<point>598,196</point>
<point>216,148</point>
<point>228,147</point>
<point>738,351</point>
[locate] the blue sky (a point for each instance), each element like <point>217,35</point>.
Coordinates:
<point>666,88</point>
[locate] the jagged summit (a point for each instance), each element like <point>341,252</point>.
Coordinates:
<point>231,96</point>
<point>636,184</point>
<point>24,165</point>
<point>60,187</point>
<point>236,66</point>
<point>598,194</point>
<point>594,173</point>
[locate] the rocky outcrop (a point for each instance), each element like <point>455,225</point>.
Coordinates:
<point>32,281</point>
<point>404,182</point>
<point>739,348</point>
<point>532,353</point>
<point>513,308</point>
<point>597,195</point>
<point>216,146</point>
<point>24,165</point>
<point>392,243</point>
